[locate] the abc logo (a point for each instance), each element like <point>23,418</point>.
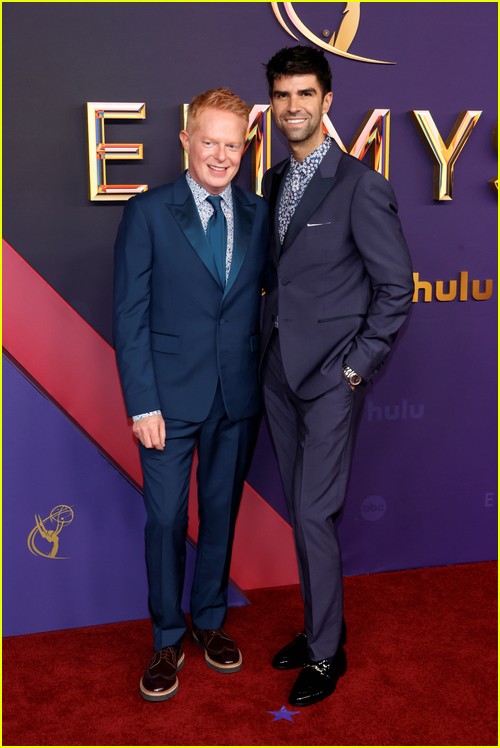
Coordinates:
<point>373,508</point>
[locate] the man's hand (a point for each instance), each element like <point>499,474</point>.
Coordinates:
<point>151,432</point>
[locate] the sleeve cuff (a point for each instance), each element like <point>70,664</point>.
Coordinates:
<point>146,415</point>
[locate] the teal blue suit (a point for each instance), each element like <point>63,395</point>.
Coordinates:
<point>187,345</point>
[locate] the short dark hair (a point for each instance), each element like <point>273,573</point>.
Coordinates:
<point>302,60</point>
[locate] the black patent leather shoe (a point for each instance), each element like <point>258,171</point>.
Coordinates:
<point>318,679</point>
<point>295,654</point>
<point>292,655</point>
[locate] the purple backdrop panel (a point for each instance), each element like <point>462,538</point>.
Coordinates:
<point>99,574</point>
<point>423,487</point>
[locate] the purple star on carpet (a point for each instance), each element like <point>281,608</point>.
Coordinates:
<point>283,714</point>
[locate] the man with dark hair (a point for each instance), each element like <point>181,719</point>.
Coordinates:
<point>299,61</point>
<point>189,264</point>
<point>343,289</point>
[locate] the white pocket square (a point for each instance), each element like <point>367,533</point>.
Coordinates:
<point>325,223</point>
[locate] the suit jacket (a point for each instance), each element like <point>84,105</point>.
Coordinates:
<point>177,331</point>
<point>343,283</point>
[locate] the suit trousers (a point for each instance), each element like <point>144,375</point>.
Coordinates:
<point>314,441</point>
<point>224,451</point>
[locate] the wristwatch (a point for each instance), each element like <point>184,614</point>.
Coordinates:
<point>351,376</point>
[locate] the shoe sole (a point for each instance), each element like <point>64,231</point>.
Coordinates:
<point>233,668</point>
<point>162,695</point>
<point>311,701</point>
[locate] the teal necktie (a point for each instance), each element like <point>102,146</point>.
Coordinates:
<point>217,236</point>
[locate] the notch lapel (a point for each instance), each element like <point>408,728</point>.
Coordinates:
<point>315,192</point>
<point>244,214</point>
<point>277,182</point>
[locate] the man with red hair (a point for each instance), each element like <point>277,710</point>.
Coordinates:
<point>189,265</point>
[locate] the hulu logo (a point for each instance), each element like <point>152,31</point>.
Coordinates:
<point>460,289</point>
<point>403,411</point>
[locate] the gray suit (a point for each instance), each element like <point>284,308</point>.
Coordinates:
<point>343,287</point>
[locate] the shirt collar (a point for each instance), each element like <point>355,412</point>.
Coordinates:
<point>314,158</point>
<point>200,194</point>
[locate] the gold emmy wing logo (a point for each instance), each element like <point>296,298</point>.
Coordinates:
<point>339,41</point>
<point>49,530</point>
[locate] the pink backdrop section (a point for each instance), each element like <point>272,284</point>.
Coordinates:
<point>64,355</point>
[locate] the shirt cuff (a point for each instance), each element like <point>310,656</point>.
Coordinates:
<point>146,415</point>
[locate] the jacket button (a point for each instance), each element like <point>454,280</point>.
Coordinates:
<point>222,321</point>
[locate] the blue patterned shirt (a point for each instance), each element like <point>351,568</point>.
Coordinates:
<point>298,177</point>
<point>206,211</point>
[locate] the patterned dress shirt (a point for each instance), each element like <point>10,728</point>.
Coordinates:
<point>206,211</point>
<point>297,178</point>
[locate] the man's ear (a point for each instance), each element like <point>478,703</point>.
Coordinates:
<point>327,102</point>
<point>184,138</point>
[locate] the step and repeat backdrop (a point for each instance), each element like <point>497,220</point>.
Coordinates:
<point>94,98</point>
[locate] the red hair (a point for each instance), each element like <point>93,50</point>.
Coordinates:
<point>217,98</point>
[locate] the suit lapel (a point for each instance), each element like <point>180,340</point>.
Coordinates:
<point>183,209</point>
<point>315,192</point>
<point>274,201</point>
<point>243,219</point>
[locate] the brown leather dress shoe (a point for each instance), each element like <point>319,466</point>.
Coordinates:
<point>160,682</point>
<point>221,653</point>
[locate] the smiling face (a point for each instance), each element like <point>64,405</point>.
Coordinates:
<point>298,106</point>
<point>214,141</point>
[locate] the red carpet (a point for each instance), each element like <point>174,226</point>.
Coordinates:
<point>421,648</point>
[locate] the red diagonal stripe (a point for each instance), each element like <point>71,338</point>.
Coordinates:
<point>77,368</point>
